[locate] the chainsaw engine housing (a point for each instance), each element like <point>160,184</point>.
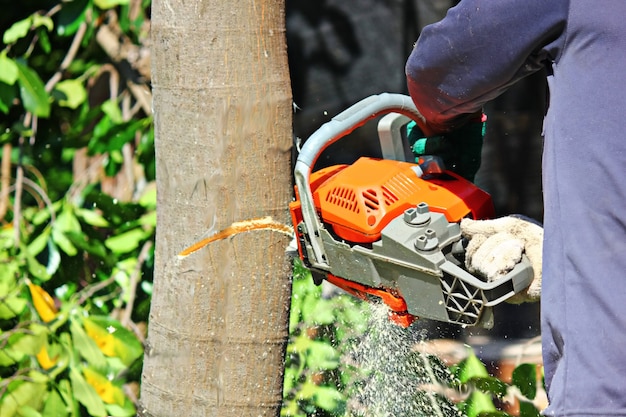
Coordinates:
<point>359,200</point>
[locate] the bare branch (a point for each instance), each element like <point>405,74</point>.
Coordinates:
<point>69,57</point>
<point>5,179</point>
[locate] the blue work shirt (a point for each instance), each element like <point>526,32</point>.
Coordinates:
<point>478,50</point>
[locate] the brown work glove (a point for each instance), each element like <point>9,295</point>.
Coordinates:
<point>496,246</point>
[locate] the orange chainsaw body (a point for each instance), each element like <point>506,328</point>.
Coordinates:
<point>359,200</point>
<point>355,202</point>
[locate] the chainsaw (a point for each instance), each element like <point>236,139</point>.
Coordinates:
<point>385,229</point>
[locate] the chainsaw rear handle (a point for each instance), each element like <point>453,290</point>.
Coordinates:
<point>338,127</point>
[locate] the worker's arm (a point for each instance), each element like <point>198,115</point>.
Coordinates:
<point>478,50</point>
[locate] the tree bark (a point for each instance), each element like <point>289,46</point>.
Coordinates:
<point>222,108</point>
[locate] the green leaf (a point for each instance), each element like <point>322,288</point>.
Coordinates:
<point>322,313</point>
<point>8,357</point>
<point>86,395</point>
<point>11,306</point>
<point>489,384</point>
<point>127,241</point>
<point>21,393</point>
<point>7,95</point>
<point>301,343</point>
<point>67,221</point>
<point>309,303</point>
<point>70,93</point>
<point>45,21</point>
<point>41,216</point>
<point>307,390</point>
<point>65,390</point>
<point>109,4</point>
<point>115,212</point>
<point>291,377</point>
<point>27,411</point>
<point>86,346</point>
<point>294,314</point>
<point>149,197</point>
<point>8,69</point>
<point>478,403</point>
<point>44,41</point>
<point>471,367</point>
<point>36,268</point>
<point>7,241</point>
<point>28,344</point>
<point>525,378</point>
<point>528,409</point>
<point>11,303</point>
<point>114,136</point>
<point>112,109</point>
<point>127,410</point>
<point>147,287</point>
<point>145,153</point>
<point>328,398</point>
<point>63,242</point>
<point>353,314</point>
<point>91,217</point>
<point>90,245</point>
<point>122,272</point>
<point>9,272</point>
<point>291,409</point>
<point>17,31</point>
<point>33,93</point>
<point>321,356</point>
<point>149,219</point>
<point>54,405</point>
<point>70,17</point>
<point>54,258</point>
<point>40,242</point>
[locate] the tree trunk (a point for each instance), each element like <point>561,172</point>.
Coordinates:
<point>222,106</point>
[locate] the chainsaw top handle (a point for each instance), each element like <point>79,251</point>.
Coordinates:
<point>338,127</point>
<point>353,117</point>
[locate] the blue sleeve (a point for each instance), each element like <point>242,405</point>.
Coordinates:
<point>479,49</point>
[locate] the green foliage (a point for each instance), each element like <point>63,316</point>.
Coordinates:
<point>484,388</point>
<point>320,329</point>
<point>77,208</point>
<point>324,332</point>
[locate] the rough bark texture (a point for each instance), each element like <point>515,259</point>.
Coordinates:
<point>222,105</point>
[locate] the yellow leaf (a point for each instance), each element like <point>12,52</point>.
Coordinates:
<point>106,390</point>
<point>43,302</point>
<point>44,359</point>
<point>102,337</point>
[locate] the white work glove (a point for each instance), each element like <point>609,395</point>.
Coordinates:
<point>496,246</point>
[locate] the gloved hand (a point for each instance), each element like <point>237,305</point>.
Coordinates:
<point>496,246</point>
<point>460,149</point>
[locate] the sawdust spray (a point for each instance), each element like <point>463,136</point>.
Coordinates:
<point>394,379</point>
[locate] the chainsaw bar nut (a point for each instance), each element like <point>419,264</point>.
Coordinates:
<point>418,215</point>
<point>428,241</point>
